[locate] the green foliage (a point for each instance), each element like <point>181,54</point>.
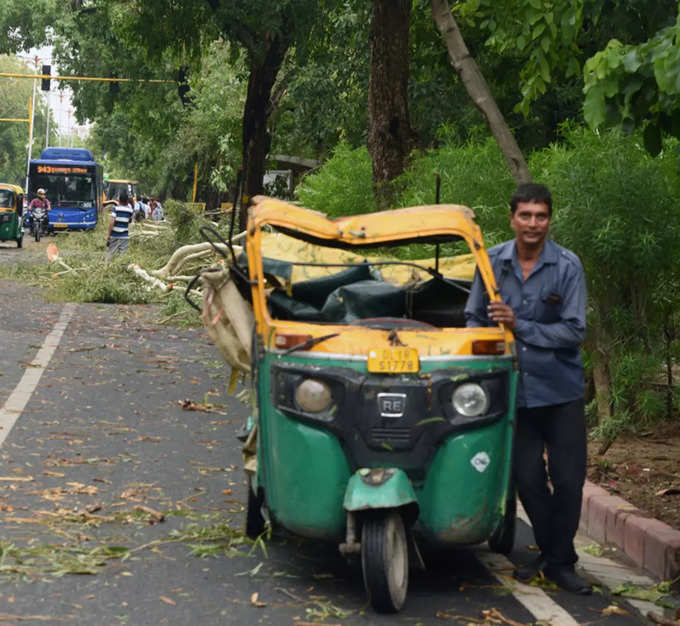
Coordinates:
<point>616,207</point>
<point>636,85</point>
<point>543,32</point>
<point>343,186</point>
<point>474,175</point>
<point>106,283</point>
<point>15,94</point>
<point>325,95</point>
<point>186,222</point>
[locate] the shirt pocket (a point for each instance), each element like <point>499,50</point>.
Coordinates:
<point>549,306</point>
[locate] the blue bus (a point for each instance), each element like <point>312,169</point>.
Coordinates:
<point>73,181</point>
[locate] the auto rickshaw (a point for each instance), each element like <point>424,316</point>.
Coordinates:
<point>381,422</point>
<point>11,211</point>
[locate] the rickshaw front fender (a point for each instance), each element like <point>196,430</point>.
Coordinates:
<point>379,488</point>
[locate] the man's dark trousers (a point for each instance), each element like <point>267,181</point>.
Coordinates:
<point>554,514</point>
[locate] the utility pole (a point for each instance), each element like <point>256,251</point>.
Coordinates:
<point>70,131</point>
<point>30,128</point>
<point>47,123</point>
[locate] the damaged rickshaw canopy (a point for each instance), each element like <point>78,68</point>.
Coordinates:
<point>305,236</point>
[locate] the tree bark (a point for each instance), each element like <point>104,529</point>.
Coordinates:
<point>390,136</point>
<point>256,138</point>
<point>478,89</point>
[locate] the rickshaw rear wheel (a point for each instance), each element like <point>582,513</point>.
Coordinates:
<point>503,538</point>
<point>384,561</point>
<point>255,522</point>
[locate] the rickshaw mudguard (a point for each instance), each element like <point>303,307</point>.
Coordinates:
<point>378,488</point>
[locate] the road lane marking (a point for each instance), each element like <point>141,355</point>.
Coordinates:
<point>533,599</point>
<point>11,411</point>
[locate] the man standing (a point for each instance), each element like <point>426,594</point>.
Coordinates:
<point>543,292</point>
<point>118,239</point>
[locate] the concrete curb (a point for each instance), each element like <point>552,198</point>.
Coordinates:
<point>649,543</point>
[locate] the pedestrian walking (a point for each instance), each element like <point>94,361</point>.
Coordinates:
<point>156,210</point>
<point>118,239</point>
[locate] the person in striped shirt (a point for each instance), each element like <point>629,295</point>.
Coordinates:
<point>118,239</point>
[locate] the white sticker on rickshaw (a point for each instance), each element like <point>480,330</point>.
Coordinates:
<point>480,461</point>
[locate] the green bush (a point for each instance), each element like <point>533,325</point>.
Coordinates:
<point>342,186</point>
<point>616,207</point>
<point>474,175</point>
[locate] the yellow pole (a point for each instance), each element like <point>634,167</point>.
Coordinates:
<point>87,78</point>
<point>193,198</point>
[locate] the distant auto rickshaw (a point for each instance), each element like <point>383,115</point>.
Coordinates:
<point>11,212</point>
<point>381,422</point>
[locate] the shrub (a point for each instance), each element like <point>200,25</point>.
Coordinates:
<point>342,186</point>
<point>616,207</point>
<point>475,175</point>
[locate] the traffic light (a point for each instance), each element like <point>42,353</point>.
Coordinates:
<point>46,71</point>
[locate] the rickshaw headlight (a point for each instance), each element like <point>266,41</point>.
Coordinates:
<point>470,400</point>
<point>313,395</point>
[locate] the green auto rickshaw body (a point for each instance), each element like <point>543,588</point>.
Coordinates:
<point>459,482</point>
<point>11,212</point>
<point>354,374</point>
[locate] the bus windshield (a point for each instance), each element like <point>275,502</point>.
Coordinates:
<point>69,190</point>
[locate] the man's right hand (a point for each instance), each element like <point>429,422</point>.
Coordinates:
<point>501,313</point>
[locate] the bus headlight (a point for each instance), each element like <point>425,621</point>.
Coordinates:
<point>470,400</point>
<point>313,395</point>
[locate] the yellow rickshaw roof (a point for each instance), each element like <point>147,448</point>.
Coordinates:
<point>14,188</point>
<point>439,222</point>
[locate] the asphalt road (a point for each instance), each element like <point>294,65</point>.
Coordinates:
<point>108,438</point>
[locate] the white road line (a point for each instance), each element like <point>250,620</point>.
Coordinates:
<point>534,600</point>
<point>17,400</point>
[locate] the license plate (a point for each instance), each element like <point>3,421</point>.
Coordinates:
<point>59,225</point>
<point>393,360</point>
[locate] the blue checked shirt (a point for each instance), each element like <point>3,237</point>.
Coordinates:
<point>550,308</point>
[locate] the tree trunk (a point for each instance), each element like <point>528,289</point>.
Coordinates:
<point>390,136</point>
<point>256,138</point>
<point>478,89</point>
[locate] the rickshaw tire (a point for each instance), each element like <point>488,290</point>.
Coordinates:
<point>20,242</point>
<point>384,561</point>
<point>255,522</point>
<point>503,539</point>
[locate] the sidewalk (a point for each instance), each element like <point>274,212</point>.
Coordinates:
<point>652,547</point>
<point>647,542</point>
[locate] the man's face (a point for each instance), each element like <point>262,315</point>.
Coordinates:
<point>530,221</point>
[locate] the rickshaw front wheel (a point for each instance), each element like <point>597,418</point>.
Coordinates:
<point>20,241</point>
<point>384,561</point>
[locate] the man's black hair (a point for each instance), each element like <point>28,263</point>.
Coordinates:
<point>123,198</point>
<point>531,192</point>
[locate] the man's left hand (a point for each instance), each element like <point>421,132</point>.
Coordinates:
<point>501,313</point>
